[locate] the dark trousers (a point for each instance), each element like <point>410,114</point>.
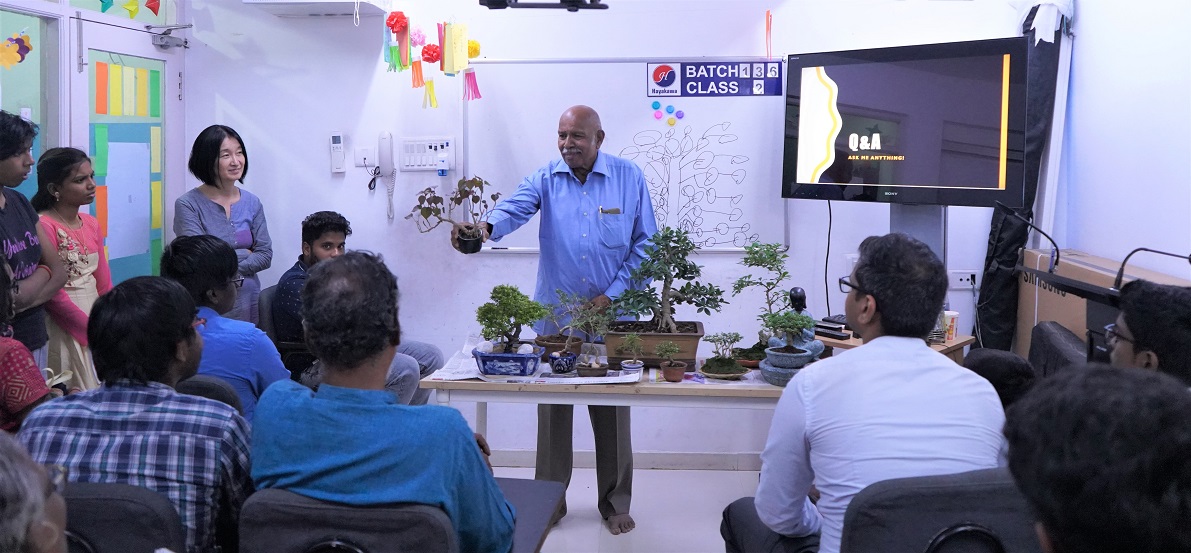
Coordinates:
<point>613,450</point>
<point>744,532</point>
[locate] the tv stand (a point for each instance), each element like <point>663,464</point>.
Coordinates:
<point>927,223</point>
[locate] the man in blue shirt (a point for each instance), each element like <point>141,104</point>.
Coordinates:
<point>352,442</point>
<point>597,218</point>
<point>235,351</point>
<point>324,236</point>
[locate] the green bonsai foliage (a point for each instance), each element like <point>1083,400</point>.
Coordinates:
<point>666,350</point>
<point>470,196</point>
<point>508,311</point>
<point>567,309</point>
<point>772,259</point>
<point>788,323</point>
<point>591,322</point>
<point>631,345</point>
<point>723,343</point>
<point>667,259</point>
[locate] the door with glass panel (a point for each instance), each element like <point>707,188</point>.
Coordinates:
<point>126,112</point>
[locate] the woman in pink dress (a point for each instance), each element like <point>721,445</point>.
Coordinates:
<point>66,182</point>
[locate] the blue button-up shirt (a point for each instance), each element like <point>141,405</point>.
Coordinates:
<point>592,235</point>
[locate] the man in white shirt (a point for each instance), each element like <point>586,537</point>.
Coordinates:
<point>891,408</point>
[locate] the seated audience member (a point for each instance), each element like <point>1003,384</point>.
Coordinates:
<point>32,509</point>
<point>1009,374</point>
<point>1101,456</point>
<point>318,443</point>
<point>22,386</point>
<point>891,408</point>
<point>235,351</point>
<point>135,429</point>
<point>324,236</point>
<point>1153,329</point>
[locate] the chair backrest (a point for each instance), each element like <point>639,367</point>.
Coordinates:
<point>1053,347</point>
<point>210,387</point>
<point>977,511</point>
<point>536,501</point>
<point>278,521</point>
<point>264,319</point>
<point>119,517</point>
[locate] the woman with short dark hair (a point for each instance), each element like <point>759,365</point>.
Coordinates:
<point>220,208</point>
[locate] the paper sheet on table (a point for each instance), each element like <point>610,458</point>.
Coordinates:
<point>462,366</point>
<point>751,378</point>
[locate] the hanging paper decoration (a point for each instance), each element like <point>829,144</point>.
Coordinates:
<point>397,22</point>
<point>454,48</point>
<point>105,5</point>
<point>428,99</point>
<point>14,50</point>
<point>441,42</point>
<point>396,49</point>
<point>431,53</point>
<point>768,34</point>
<point>417,38</point>
<point>418,80</point>
<point>153,5</point>
<point>133,8</point>
<point>471,89</point>
<point>473,49</point>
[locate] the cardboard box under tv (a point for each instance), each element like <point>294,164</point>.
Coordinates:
<point>1038,301</point>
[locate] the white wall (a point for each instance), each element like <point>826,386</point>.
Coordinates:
<point>1127,178</point>
<point>285,84</point>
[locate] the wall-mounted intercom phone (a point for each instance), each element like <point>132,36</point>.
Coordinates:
<point>386,169</point>
<point>338,158</point>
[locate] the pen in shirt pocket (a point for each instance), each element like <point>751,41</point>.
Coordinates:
<point>610,211</point>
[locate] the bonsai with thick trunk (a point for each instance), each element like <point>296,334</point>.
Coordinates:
<point>667,261</point>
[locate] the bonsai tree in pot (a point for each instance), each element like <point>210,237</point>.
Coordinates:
<point>771,259</point>
<point>471,196</point>
<point>592,322</point>
<point>567,308</point>
<point>722,362</point>
<point>631,346</point>
<point>672,370</point>
<point>790,324</point>
<point>667,263</point>
<point>504,316</point>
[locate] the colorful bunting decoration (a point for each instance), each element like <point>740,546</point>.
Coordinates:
<point>471,89</point>
<point>105,5</point>
<point>133,8</point>
<point>418,80</point>
<point>429,99</point>
<point>153,5</point>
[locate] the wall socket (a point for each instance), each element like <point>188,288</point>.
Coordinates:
<point>963,280</point>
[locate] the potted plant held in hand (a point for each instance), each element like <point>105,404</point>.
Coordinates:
<point>471,197</point>
<point>722,365</point>
<point>667,262</point>
<point>501,321</point>
<point>672,371</point>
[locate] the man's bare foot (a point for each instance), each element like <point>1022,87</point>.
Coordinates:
<point>620,524</point>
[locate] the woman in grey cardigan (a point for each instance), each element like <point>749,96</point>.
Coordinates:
<point>220,208</point>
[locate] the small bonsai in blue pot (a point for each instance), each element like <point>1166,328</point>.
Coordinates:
<point>798,350</point>
<point>502,319</point>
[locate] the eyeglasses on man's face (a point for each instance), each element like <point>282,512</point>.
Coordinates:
<point>239,282</point>
<point>1112,335</point>
<point>846,286</point>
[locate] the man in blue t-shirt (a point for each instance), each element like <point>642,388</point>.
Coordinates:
<point>235,351</point>
<point>326,444</point>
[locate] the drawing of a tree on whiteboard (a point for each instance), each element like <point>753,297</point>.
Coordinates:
<point>694,184</point>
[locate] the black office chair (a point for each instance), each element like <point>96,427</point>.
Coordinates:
<point>278,521</point>
<point>294,355</point>
<point>210,387</point>
<point>977,511</point>
<point>1054,348</point>
<point>119,517</point>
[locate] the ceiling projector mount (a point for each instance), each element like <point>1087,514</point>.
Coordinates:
<point>568,5</point>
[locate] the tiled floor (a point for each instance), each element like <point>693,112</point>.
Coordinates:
<point>676,511</point>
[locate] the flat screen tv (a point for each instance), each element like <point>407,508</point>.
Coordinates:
<point>935,124</point>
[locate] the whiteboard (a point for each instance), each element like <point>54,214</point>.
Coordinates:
<point>716,172</point>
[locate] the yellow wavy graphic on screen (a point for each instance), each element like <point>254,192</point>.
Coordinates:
<point>832,92</point>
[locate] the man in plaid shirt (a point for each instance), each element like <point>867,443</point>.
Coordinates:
<point>135,429</point>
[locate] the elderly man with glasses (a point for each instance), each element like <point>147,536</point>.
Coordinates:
<point>891,408</point>
<point>1153,329</point>
<point>235,351</point>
